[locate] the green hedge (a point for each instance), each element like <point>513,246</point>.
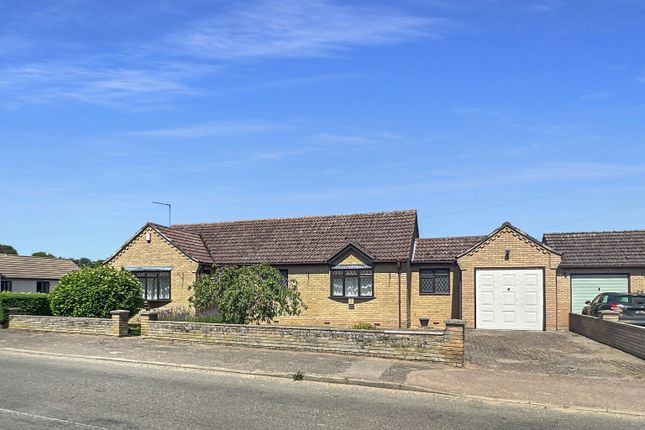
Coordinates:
<point>94,292</point>
<point>28,303</point>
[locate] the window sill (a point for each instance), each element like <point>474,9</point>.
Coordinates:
<point>157,300</point>
<point>435,294</point>
<point>363,298</point>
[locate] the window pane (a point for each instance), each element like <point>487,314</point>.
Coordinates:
<point>442,283</point>
<point>151,289</point>
<point>427,282</point>
<point>351,284</point>
<point>366,285</point>
<point>164,286</point>
<point>337,286</point>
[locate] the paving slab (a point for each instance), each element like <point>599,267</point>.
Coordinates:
<point>558,353</point>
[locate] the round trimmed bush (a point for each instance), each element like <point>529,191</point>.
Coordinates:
<point>94,292</point>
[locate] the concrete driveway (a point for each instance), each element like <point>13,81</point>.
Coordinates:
<point>560,353</point>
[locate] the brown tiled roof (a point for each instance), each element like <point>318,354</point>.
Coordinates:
<point>387,236</point>
<point>443,249</point>
<point>599,249</point>
<point>26,267</point>
<point>190,244</point>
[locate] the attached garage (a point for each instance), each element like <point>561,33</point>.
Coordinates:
<point>586,287</point>
<point>508,282</point>
<point>511,299</point>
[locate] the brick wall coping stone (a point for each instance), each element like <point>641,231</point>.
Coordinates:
<point>419,332</point>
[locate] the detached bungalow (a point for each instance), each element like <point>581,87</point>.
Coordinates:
<point>20,273</point>
<point>349,268</point>
<point>374,268</point>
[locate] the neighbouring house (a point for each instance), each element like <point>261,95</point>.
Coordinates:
<point>596,262</point>
<point>21,273</point>
<point>375,268</point>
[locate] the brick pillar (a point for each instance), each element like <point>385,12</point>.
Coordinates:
<point>120,323</point>
<point>146,317</point>
<point>454,333</point>
<point>609,316</point>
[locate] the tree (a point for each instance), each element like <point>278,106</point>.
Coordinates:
<point>247,294</point>
<point>87,262</point>
<point>8,249</point>
<point>94,292</point>
<point>43,254</point>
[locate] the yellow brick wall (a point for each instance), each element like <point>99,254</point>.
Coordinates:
<point>314,285</point>
<point>351,259</point>
<point>160,253</point>
<point>438,308</point>
<point>636,283</point>
<point>524,254</point>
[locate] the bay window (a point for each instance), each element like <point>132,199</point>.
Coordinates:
<point>352,283</point>
<point>156,284</point>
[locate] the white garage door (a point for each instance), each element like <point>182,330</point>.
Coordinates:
<point>510,299</point>
<point>586,287</point>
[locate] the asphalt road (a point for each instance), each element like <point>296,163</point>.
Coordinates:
<point>58,393</point>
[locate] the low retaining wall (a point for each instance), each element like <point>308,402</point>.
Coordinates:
<point>445,346</point>
<point>626,337</point>
<point>115,326</point>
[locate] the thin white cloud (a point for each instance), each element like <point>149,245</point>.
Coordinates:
<point>229,128</point>
<point>93,83</point>
<point>301,29</point>
<point>152,71</point>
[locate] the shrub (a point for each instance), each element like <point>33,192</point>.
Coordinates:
<point>364,326</point>
<point>28,303</point>
<point>207,316</point>
<point>247,294</point>
<point>95,291</point>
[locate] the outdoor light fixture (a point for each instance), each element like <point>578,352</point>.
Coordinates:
<point>507,254</point>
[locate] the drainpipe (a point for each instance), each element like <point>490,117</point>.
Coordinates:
<point>398,266</point>
<point>557,304</point>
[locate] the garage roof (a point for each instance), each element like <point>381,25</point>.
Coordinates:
<point>599,249</point>
<point>443,249</point>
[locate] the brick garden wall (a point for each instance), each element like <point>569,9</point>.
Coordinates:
<point>626,337</point>
<point>116,326</point>
<point>445,346</point>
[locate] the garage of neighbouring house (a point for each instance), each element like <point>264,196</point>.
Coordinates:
<point>597,262</point>
<point>585,287</point>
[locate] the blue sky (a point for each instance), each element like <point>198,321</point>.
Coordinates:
<point>472,112</point>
